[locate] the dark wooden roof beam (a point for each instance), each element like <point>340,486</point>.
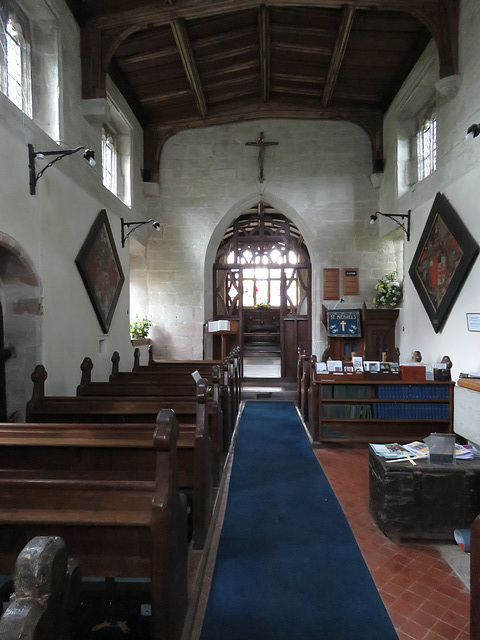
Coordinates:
<point>241,92</point>
<point>264,30</point>
<point>311,93</point>
<point>114,13</point>
<point>245,81</point>
<point>164,97</point>
<point>242,35</point>
<point>228,71</point>
<point>348,14</point>
<point>302,49</point>
<point>230,53</point>
<point>188,60</point>
<point>309,33</point>
<point>298,79</point>
<point>148,56</point>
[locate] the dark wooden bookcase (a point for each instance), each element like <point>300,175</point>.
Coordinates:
<point>369,408</point>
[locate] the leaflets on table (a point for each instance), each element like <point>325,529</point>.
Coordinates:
<point>418,449</point>
<point>390,451</point>
<point>465,452</point>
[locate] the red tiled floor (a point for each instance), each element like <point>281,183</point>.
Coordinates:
<point>422,594</point>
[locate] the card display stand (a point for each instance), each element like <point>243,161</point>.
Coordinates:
<point>378,408</point>
<point>427,500</point>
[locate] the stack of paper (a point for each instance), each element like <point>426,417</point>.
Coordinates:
<point>465,452</point>
<point>391,451</point>
<point>417,449</point>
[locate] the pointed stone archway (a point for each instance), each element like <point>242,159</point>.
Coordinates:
<point>262,284</point>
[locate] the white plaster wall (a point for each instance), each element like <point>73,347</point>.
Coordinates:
<point>318,176</point>
<point>458,178</point>
<point>51,226</point>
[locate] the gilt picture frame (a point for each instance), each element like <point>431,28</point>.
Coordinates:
<point>100,269</point>
<point>443,258</point>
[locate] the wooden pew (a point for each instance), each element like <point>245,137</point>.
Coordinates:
<point>233,363</point>
<point>171,390</point>
<point>230,386</point>
<point>114,527</point>
<point>46,588</point>
<point>192,416</point>
<point>303,384</point>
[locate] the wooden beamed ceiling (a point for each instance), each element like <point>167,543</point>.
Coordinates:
<point>190,63</point>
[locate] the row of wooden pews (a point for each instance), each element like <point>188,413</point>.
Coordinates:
<point>114,526</point>
<point>87,468</point>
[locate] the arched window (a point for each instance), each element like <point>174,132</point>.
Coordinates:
<point>262,261</point>
<point>15,61</point>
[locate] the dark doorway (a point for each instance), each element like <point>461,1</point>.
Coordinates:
<point>4,355</point>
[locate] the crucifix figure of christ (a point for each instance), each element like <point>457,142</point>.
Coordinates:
<point>261,144</point>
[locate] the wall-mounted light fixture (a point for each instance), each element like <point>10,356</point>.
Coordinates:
<point>135,224</point>
<point>394,216</point>
<point>88,154</point>
<point>473,131</point>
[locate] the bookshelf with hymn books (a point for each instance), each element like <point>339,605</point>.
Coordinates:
<point>376,410</point>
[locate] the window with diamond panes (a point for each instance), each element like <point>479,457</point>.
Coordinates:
<point>427,146</point>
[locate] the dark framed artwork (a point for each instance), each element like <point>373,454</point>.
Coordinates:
<point>100,269</point>
<point>444,256</point>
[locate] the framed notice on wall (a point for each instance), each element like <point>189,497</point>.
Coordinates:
<point>331,284</point>
<point>350,282</point>
<point>473,321</point>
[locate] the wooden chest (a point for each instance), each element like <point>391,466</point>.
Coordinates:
<point>425,500</point>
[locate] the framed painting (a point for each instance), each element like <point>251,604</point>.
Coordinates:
<point>444,256</point>
<point>100,269</point>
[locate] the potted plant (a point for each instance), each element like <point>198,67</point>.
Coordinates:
<point>139,329</point>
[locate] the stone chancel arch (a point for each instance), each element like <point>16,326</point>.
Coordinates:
<point>262,284</point>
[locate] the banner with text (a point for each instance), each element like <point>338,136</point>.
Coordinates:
<point>344,323</point>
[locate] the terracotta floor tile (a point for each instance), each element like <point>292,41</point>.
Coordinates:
<point>424,598</point>
<point>445,630</point>
<point>416,630</point>
<point>422,594</point>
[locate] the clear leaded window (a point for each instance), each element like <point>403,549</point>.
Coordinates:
<point>109,159</point>
<point>15,63</point>
<point>427,146</point>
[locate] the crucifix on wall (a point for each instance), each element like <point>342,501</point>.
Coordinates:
<point>261,144</point>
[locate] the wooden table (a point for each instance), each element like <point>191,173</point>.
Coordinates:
<point>427,501</point>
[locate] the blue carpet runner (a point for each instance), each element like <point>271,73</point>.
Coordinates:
<point>288,566</point>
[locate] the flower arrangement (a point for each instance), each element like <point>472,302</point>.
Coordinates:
<point>389,291</point>
<point>139,327</point>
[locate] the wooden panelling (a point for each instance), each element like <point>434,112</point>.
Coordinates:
<point>331,284</point>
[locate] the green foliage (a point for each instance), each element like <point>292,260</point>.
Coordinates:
<point>389,291</point>
<point>139,327</point>
<point>261,305</point>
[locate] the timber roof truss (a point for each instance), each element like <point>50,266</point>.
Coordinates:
<point>185,64</point>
